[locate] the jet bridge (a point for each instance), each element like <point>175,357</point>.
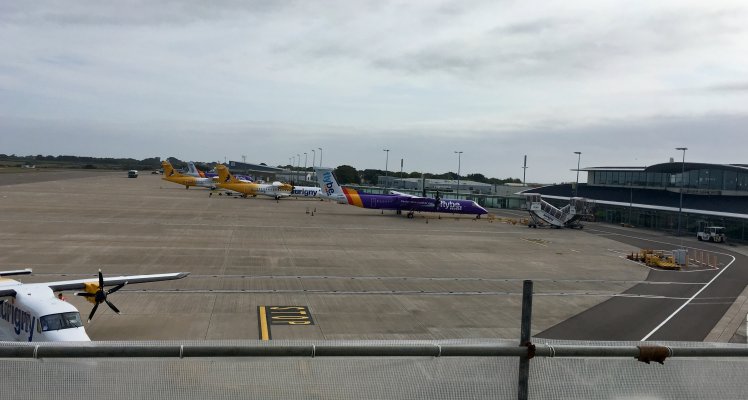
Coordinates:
<point>544,213</point>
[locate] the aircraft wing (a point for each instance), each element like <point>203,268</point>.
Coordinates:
<point>406,195</point>
<point>110,281</point>
<point>16,272</point>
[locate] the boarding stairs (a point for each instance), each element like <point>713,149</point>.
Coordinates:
<point>544,213</point>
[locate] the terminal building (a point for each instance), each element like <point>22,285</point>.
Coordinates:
<point>650,197</point>
<point>442,185</point>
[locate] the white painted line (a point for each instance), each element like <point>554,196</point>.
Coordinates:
<point>692,297</point>
<point>689,300</point>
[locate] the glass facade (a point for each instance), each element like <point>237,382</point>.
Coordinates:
<point>697,179</point>
<point>735,229</point>
<point>707,179</point>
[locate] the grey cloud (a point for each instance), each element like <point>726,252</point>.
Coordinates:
<point>734,87</point>
<point>529,27</point>
<point>452,58</point>
<point>136,13</point>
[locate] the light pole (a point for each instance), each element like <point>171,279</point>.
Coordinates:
<point>305,158</point>
<point>401,172</point>
<point>314,158</point>
<point>320,156</point>
<point>459,153</point>
<point>298,166</point>
<point>576,186</point>
<point>682,181</point>
<point>386,167</point>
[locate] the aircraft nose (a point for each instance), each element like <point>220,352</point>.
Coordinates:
<point>68,335</point>
<point>483,210</point>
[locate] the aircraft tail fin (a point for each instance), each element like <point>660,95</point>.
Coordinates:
<point>328,183</point>
<point>193,171</point>
<point>169,170</point>
<point>224,175</point>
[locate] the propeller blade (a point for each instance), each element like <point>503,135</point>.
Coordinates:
<point>93,312</point>
<point>116,288</point>
<point>85,294</point>
<point>101,280</point>
<point>109,303</point>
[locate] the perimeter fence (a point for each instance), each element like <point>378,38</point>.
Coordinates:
<point>449,369</point>
<point>455,369</point>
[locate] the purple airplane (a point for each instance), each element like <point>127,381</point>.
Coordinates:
<point>397,201</point>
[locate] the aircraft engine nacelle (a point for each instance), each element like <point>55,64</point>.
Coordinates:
<point>91,287</point>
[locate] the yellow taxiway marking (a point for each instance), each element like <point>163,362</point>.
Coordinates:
<point>264,332</point>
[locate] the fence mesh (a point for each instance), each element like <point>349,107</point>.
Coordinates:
<point>374,377</point>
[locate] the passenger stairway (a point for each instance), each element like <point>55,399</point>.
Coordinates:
<point>544,213</point>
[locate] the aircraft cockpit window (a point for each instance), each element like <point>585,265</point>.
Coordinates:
<point>55,322</point>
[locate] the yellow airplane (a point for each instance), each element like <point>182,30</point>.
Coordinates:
<point>230,182</point>
<point>171,175</point>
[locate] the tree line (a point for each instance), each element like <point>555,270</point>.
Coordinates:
<point>345,174</point>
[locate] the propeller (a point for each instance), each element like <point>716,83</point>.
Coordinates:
<point>101,296</point>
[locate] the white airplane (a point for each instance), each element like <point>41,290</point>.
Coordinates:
<point>171,175</point>
<point>277,190</point>
<point>306,191</point>
<point>30,312</point>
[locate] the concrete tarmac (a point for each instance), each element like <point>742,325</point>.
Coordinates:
<point>361,274</point>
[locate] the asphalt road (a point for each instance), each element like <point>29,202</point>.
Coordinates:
<point>362,274</point>
<point>685,307</point>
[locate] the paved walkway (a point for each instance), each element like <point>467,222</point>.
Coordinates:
<point>732,327</point>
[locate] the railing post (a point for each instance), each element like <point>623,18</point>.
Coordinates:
<point>524,340</point>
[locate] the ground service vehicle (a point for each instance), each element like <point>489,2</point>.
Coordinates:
<point>712,233</point>
<point>132,173</point>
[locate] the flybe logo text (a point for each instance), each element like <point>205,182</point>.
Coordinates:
<point>450,205</point>
<point>20,319</point>
<point>329,185</point>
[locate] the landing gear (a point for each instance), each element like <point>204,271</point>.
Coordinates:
<point>410,214</point>
<point>399,212</point>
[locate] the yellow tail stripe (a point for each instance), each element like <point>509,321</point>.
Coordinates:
<point>354,197</point>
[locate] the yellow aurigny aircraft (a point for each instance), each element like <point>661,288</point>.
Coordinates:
<point>171,175</point>
<point>230,182</point>
<point>30,312</point>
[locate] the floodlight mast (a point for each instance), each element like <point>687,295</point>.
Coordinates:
<point>682,182</point>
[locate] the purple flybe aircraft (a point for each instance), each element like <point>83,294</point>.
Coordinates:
<point>396,201</point>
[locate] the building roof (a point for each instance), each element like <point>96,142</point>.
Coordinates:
<point>671,167</point>
<point>675,167</point>
<point>254,167</point>
<point>588,169</point>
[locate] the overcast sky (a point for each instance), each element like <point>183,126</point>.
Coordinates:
<point>624,82</point>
